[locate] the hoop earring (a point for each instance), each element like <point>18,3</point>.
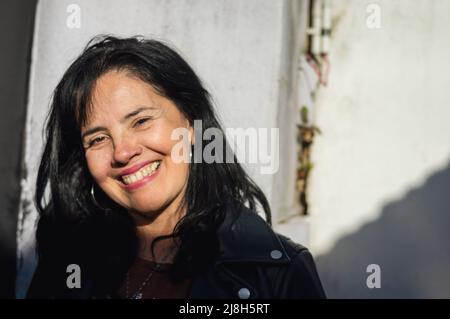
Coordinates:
<point>95,201</point>
<point>193,159</point>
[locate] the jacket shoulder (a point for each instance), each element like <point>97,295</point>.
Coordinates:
<point>287,265</point>
<point>302,272</point>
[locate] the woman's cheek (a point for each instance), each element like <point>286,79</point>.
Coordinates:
<point>157,141</point>
<point>97,165</point>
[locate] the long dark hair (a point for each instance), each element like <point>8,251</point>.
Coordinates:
<point>72,228</point>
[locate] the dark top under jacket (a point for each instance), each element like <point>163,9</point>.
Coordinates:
<point>254,262</point>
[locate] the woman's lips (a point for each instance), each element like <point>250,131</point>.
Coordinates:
<point>134,168</point>
<point>143,181</point>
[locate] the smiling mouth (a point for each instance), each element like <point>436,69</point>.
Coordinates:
<point>145,171</point>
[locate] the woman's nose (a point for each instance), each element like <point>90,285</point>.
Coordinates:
<point>125,150</point>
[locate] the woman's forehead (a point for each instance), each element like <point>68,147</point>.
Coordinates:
<point>116,94</point>
<point>117,87</point>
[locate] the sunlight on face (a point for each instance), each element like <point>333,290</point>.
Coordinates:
<point>127,142</point>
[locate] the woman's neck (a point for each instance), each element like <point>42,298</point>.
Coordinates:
<point>150,227</point>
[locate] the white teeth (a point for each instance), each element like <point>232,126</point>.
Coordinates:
<point>145,171</point>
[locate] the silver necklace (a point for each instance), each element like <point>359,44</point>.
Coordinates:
<point>138,293</point>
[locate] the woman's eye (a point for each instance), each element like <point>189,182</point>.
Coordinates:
<point>97,140</point>
<point>141,121</point>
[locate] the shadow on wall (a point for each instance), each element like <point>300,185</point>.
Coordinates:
<point>410,242</point>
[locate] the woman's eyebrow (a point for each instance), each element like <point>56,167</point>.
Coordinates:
<point>137,111</point>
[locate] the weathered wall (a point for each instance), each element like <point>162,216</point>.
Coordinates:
<point>14,67</point>
<point>379,189</point>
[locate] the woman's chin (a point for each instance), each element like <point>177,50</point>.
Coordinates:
<point>146,210</point>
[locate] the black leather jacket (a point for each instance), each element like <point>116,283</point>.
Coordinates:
<point>254,262</point>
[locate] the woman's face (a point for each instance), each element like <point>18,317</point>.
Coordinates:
<point>127,142</point>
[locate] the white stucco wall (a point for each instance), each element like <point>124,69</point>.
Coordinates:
<point>243,50</point>
<point>378,190</point>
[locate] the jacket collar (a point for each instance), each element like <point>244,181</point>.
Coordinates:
<point>245,237</point>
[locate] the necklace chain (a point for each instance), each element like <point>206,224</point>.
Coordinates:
<point>138,293</point>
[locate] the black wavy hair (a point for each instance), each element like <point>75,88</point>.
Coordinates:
<point>71,227</point>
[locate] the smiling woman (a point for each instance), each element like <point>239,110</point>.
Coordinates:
<point>128,146</point>
<point>138,223</point>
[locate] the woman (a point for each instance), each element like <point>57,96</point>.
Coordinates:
<point>137,222</point>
